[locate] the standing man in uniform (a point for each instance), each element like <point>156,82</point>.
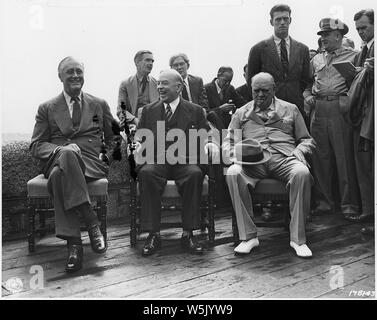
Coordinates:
<point>333,135</point>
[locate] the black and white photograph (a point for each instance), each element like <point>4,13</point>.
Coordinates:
<point>187,154</point>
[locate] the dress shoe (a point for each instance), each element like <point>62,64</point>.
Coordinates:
<point>302,251</point>
<point>360,218</point>
<point>368,231</point>
<point>97,241</point>
<point>245,247</point>
<point>74,260</point>
<point>152,244</point>
<point>191,245</point>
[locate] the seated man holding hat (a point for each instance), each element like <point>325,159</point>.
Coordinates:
<point>268,137</point>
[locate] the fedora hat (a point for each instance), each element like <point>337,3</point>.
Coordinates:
<point>250,152</point>
<point>330,24</point>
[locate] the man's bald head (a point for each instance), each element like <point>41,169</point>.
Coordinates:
<point>263,89</point>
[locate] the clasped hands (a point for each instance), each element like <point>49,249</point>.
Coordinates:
<point>299,155</point>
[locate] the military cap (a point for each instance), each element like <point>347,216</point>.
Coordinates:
<point>330,24</point>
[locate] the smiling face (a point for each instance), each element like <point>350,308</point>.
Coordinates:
<point>365,28</point>
<point>281,21</point>
<point>263,92</point>
<point>71,74</point>
<point>169,85</point>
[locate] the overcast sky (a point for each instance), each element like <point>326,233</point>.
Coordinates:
<point>105,35</point>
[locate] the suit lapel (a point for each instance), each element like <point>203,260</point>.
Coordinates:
<point>273,53</point>
<point>181,116</point>
<point>252,115</point>
<point>88,110</point>
<point>62,117</point>
<point>134,92</point>
<point>293,53</point>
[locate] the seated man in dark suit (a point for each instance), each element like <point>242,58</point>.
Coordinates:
<point>244,91</point>
<point>68,136</point>
<point>222,98</point>
<point>171,114</point>
<point>193,89</point>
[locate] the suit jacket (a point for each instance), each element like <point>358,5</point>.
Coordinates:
<point>54,128</point>
<point>215,102</point>
<point>197,91</point>
<point>245,92</point>
<point>264,57</point>
<point>285,130</point>
<point>128,93</point>
<point>187,116</point>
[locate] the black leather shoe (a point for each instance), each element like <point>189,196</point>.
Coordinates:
<point>74,260</point>
<point>368,231</point>
<point>97,241</point>
<point>152,244</point>
<point>191,245</point>
<point>360,218</point>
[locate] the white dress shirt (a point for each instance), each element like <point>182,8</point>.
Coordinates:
<point>70,103</point>
<point>173,105</point>
<point>187,88</point>
<point>287,44</point>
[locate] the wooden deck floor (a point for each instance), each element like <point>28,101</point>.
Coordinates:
<point>271,271</point>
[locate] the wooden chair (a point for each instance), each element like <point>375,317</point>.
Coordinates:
<point>40,202</point>
<point>171,201</point>
<point>269,193</point>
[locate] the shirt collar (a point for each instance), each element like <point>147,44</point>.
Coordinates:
<point>141,79</point>
<point>269,109</point>
<point>369,44</point>
<point>173,105</point>
<point>68,97</point>
<point>335,52</point>
<point>277,40</point>
<point>217,85</point>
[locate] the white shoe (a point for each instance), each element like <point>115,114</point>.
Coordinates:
<point>302,251</point>
<point>245,246</point>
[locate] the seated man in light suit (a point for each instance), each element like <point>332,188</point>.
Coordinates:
<point>193,89</point>
<point>68,136</point>
<point>137,90</point>
<point>174,114</point>
<point>280,129</point>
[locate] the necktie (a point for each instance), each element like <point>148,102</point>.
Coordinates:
<point>76,112</point>
<point>143,84</point>
<point>184,92</point>
<point>222,95</point>
<point>284,56</point>
<point>363,55</point>
<point>168,112</point>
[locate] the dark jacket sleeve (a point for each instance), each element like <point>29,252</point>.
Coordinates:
<point>254,64</point>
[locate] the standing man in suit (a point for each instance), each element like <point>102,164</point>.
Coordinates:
<point>332,134</point>
<point>137,90</point>
<point>363,134</point>
<point>172,112</point>
<point>67,137</point>
<point>268,137</point>
<point>244,91</point>
<point>286,59</point>
<point>193,88</point>
<point>222,98</point>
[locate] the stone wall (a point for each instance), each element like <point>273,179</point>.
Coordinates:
<point>18,167</point>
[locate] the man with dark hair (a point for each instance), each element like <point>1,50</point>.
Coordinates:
<point>363,133</point>
<point>138,90</point>
<point>67,138</point>
<point>332,134</point>
<point>286,59</point>
<point>175,114</point>
<point>193,89</point>
<point>244,91</point>
<point>222,97</point>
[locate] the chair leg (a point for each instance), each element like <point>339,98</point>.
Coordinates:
<point>203,218</point>
<point>211,223</point>
<point>42,224</point>
<point>102,217</point>
<point>133,211</point>
<point>31,229</point>
<point>236,237</point>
